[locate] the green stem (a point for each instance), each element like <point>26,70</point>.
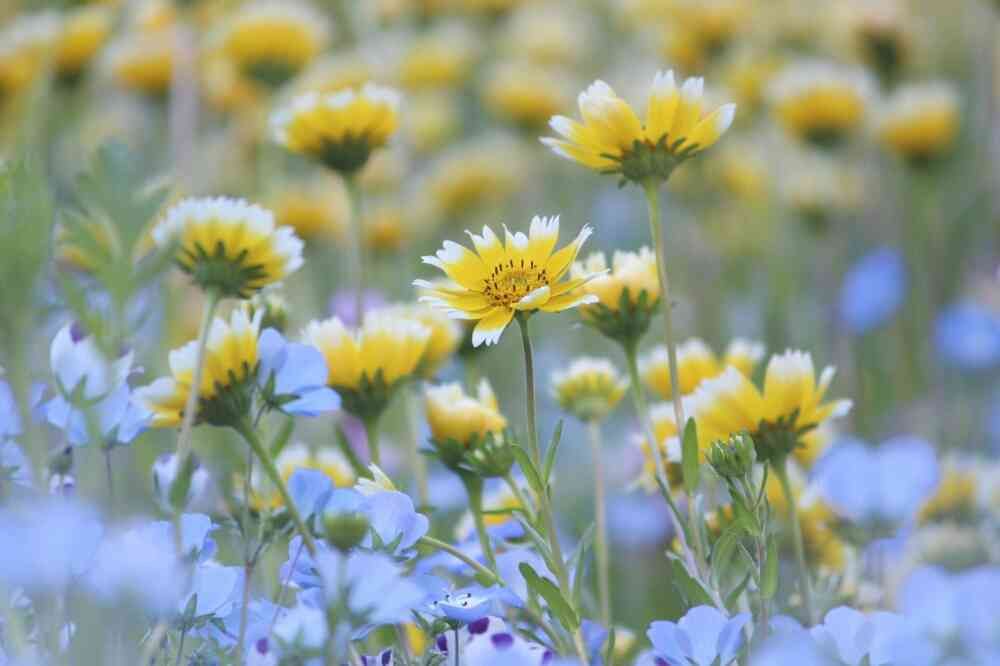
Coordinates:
<point>180,648</point>
<point>544,505</point>
<point>191,406</point>
<point>516,490</point>
<point>417,462</point>
<point>601,525</point>
<point>482,571</point>
<point>781,470</point>
<point>358,249</point>
<point>474,488</point>
<point>371,434</point>
<point>245,429</point>
<point>352,457</point>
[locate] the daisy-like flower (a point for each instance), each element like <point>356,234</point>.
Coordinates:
<point>366,364</point>
<point>229,245</point>
<point>525,94</point>
<point>143,61</point>
<point>272,41</point>
<point>84,32</point>
<point>589,389</point>
<point>697,362</point>
<point>263,494</point>
<point>230,361</point>
<point>476,174</point>
<point>315,209</point>
<point>445,334</point>
<point>451,414</point>
<point>919,122</point>
<point>627,296</point>
<point>441,59</point>
<point>820,102</point>
<point>24,43</point>
<point>341,129</point>
<point>611,138</point>
<point>791,404</point>
<point>502,278</point>
<point>955,500</point>
<point>664,424</point>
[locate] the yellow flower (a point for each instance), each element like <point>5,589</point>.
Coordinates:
<point>271,41</point>
<point>440,59</point>
<point>479,173</point>
<point>499,279</point>
<point>230,358</point>
<point>432,119</point>
<point>626,296</point>
<point>330,462</point>
<point>919,122</point>
<point>815,186</point>
<point>445,334</point>
<point>456,417</point>
<point>84,32</point>
<point>823,547</point>
<point>612,139</point>
<point>820,102</point>
<point>882,33</point>
<point>315,209</point>
<point>661,416</point>
<point>367,364</point>
<point>589,389</point>
<point>384,228</point>
<point>340,129</point>
<point>525,95</point>
<point>790,405</point>
<point>143,62</point>
<point>697,362</point>
<point>494,504</point>
<point>548,34</point>
<point>956,498</point>
<point>24,44</point>
<point>229,244</point>
<point>332,74</point>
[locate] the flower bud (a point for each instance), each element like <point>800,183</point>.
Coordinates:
<point>733,458</point>
<point>345,530</point>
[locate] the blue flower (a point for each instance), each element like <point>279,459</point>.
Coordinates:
<point>302,627</point>
<point>882,486</point>
<point>394,521</point>
<point>383,658</point>
<point>81,369</point>
<point>855,638</point>
<point>117,418</point>
<point>467,605</point>
<point>375,586</point>
<point>509,567</point>
<point>293,376</point>
<point>873,290</point>
<point>215,590</point>
<point>310,490</point>
<point>701,637</point>
<point>14,465</point>
<point>968,336</point>
<point>791,646</point>
<point>10,418</point>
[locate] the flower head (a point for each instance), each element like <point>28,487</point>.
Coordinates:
<point>612,139</point>
<point>627,296</point>
<point>820,102</point>
<point>340,129</point>
<point>229,245</point>
<point>317,209</point>
<point>919,122</point>
<point>589,389</point>
<point>873,290</point>
<point>366,364</point>
<point>272,41</point>
<point>24,43</point>
<point>499,279</point>
<point>143,61</point>
<point>451,414</point>
<point>292,376</point>
<point>791,404</point>
<point>330,463</point>
<point>525,95</point>
<point>83,33</point>
<point>697,362</point>
<point>231,357</point>
<point>445,333</point>
<point>704,636</point>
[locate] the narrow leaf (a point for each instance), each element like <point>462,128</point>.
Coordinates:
<point>689,457</point>
<point>550,453</point>
<point>547,590</point>
<point>769,581</point>
<point>530,473</point>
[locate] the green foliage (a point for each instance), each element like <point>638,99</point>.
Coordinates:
<point>689,457</point>
<point>546,589</point>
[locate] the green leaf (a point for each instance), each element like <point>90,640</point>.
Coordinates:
<point>722,552</point>
<point>530,473</point>
<point>746,519</point>
<point>689,457</point>
<point>547,590</point>
<point>550,453</point>
<point>686,584</point>
<point>282,436</point>
<point>576,562</point>
<point>734,596</point>
<point>769,580</point>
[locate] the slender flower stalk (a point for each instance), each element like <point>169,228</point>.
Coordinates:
<point>436,544</point>
<point>357,262</point>
<point>371,434</point>
<point>781,470</point>
<point>250,435</point>
<point>417,463</point>
<point>474,489</point>
<point>544,505</point>
<point>191,406</point>
<point>601,525</point>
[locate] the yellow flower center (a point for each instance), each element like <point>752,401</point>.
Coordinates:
<point>509,282</point>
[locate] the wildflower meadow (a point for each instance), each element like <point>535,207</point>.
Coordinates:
<point>499,333</point>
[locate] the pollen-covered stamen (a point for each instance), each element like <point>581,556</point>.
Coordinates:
<point>510,281</point>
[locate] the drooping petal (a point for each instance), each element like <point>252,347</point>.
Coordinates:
<point>490,327</point>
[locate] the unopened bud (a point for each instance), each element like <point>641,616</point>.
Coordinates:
<point>733,458</point>
<point>344,531</point>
